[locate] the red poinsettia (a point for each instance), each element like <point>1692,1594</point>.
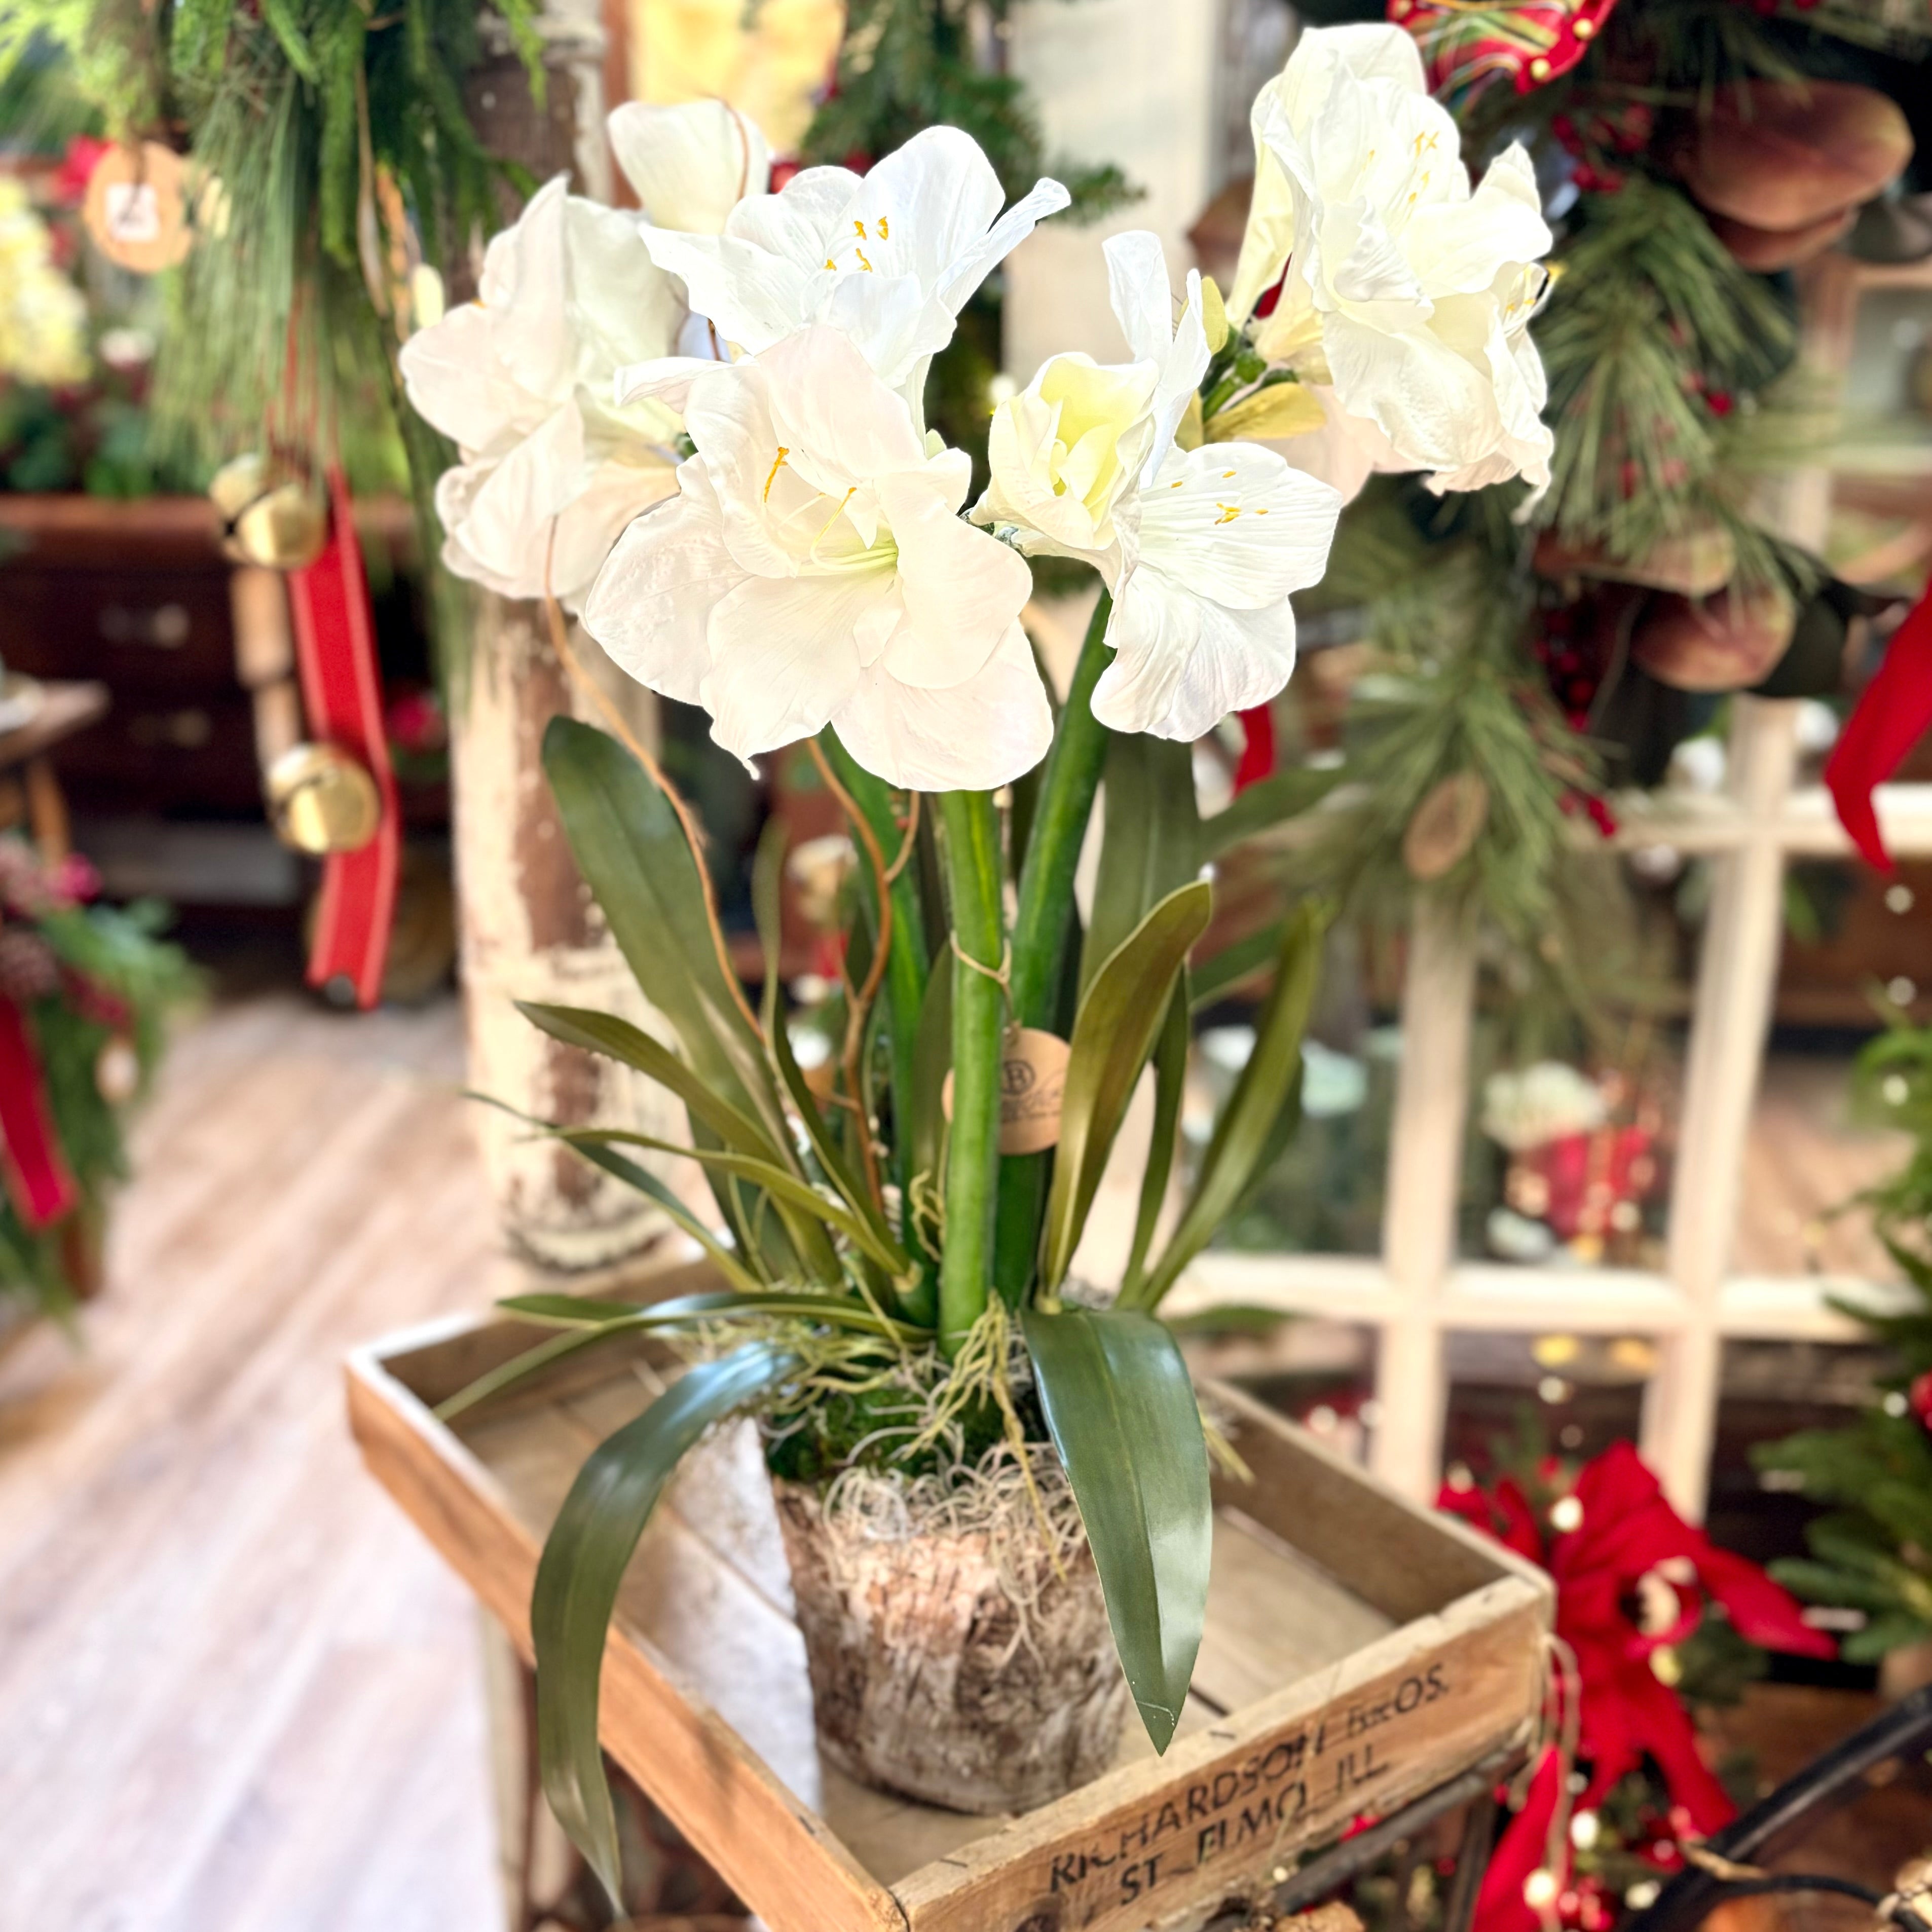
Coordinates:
<point>1632,1579</point>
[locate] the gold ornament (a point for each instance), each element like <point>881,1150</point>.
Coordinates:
<point>281,523</point>
<point>117,1071</point>
<point>322,801</point>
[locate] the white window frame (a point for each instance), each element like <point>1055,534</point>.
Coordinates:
<point>1418,1292</point>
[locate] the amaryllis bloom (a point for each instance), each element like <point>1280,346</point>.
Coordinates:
<point>814,569</point>
<point>1405,299</point>
<point>522,378</point>
<point>1201,549</point>
<point>890,257</point>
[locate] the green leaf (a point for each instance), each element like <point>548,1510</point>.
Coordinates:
<point>1126,1005</point>
<point>1209,979</point>
<point>632,849</point>
<point>1263,805</point>
<point>618,1039</point>
<point>610,1162</point>
<point>589,1545</point>
<point>1123,1415</point>
<point>1151,839</point>
<point>1251,1125</point>
<point>1170,1081</point>
<point>786,1189</point>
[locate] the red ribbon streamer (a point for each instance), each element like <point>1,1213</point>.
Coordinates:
<point>1894,713</point>
<point>335,649</point>
<point>1257,759</point>
<point>36,1173</point>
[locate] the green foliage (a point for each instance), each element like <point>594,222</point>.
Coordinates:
<point>110,956</point>
<point>1873,1552</point>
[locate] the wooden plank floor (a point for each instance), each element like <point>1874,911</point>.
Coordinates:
<point>236,1689</point>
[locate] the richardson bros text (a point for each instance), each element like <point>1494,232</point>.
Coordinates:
<point>1246,1807</point>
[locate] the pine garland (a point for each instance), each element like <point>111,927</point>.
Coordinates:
<point>1873,1552</point>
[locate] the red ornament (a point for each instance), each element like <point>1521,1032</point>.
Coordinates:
<point>1466,48</point>
<point>1920,1397</point>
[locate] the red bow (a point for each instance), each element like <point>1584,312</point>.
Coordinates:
<point>1891,717</point>
<point>1628,1547</point>
<point>35,1170</point>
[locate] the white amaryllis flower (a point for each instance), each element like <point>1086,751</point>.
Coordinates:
<point>890,257</point>
<point>1404,297</point>
<point>814,569</point>
<point>521,379</point>
<point>1201,549</point>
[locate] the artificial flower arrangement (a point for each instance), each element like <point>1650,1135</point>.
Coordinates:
<point>704,431</point>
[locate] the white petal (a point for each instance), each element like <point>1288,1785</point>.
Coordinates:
<point>1456,249</point>
<point>835,416</point>
<point>1143,297</point>
<point>690,164</point>
<point>962,588</point>
<point>1045,197</point>
<point>973,737</point>
<point>666,378</point>
<point>783,658</point>
<point>457,381</point>
<point>1153,631</point>
<point>615,495</point>
<point>1436,409</point>
<point>622,307</point>
<point>1236,524</point>
<point>939,196</point>
<point>650,607</point>
<point>755,297</point>
<point>505,525</point>
<point>525,286</point>
<point>456,488</point>
<point>728,414</point>
<point>798,222</point>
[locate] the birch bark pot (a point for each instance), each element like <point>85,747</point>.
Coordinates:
<point>930,1680</point>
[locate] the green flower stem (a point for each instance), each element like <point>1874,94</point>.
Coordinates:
<point>906,958</point>
<point>972,828</point>
<point>1043,928</point>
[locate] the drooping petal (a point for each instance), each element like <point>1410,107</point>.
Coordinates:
<point>1153,631</point>
<point>666,378</point>
<point>1045,197</point>
<point>962,589</point>
<point>1436,409</point>
<point>525,286</point>
<point>456,381</point>
<point>1456,249</point>
<point>506,526</point>
<point>755,297</point>
<point>783,657</point>
<point>974,736</point>
<point>691,164</point>
<point>650,607</point>
<point>1144,301</point>
<point>588,526</point>
<point>840,423</point>
<point>622,307</point>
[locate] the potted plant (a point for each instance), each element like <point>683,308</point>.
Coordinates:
<point>990,1474</point>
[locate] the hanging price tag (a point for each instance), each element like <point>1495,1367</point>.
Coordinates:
<point>1033,1076</point>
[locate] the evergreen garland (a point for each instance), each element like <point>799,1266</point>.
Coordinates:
<point>1873,1552</point>
<point>107,975</point>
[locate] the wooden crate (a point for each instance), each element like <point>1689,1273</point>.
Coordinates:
<point>1359,1652</point>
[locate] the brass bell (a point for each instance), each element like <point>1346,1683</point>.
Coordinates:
<point>280,524</point>
<point>321,800</point>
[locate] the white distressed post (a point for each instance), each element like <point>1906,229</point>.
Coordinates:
<point>1419,1214</point>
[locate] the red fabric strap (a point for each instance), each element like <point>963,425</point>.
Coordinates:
<point>1257,759</point>
<point>335,649</point>
<point>1894,713</point>
<point>36,1174</point>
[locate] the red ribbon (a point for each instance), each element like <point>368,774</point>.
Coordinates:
<point>36,1172</point>
<point>335,649</point>
<point>1257,759</point>
<point>1894,713</point>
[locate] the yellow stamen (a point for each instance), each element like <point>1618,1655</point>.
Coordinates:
<point>830,263</point>
<point>1227,472</point>
<point>778,462</point>
<point>1229,512</point>
<point>885,233</point>
<point>860,226</point>
<point>863,262</point>
<point>835,516</point>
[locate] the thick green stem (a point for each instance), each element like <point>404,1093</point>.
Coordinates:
<point>1045,917</point>
<point>972,828</point>
<point>1043,928</point>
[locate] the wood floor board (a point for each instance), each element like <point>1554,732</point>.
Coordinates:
<point>236,1689</point>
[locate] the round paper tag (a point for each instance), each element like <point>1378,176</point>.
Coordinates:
<point>1032,1071</point>
<point>136,210</point>
<point>1448,822</point>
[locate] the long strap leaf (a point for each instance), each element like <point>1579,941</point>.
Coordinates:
<point>1123,1415</point>
<point>784,1188</point>
<point>1264,805</point>
<point>618,1039</point>
<point>1151,842</point>
<point>1170,1081</point>
<point>1124,1009</point>
<point>1251,1122</point>
<point>592,1541</point>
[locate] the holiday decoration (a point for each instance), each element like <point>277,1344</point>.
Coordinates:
<point>1872,1552</point>
<point>1634,1582</point>
<point>1893,712</point>
<point>1467,47</point>
<point>902,1232</point>
<point>42,316</point>
<point>84,990</point>
<point>137,207</point>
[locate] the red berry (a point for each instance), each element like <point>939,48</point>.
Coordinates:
<point>1920,1397</point>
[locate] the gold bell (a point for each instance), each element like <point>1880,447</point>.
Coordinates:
<point>282,525</point>
<point>321,800</point>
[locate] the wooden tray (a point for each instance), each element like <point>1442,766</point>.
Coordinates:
<point>1359,1652</point>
